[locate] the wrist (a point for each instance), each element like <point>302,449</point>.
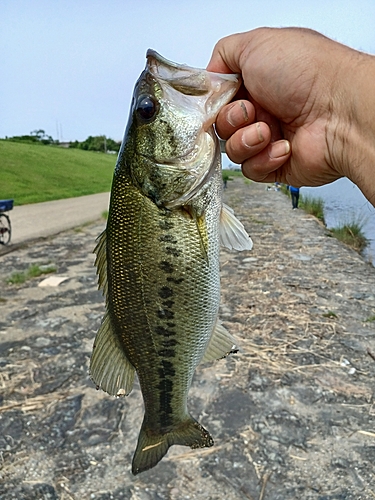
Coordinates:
<point>351,128</point>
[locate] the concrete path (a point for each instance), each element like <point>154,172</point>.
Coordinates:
<point>49,218</point>
<point>292,414</point>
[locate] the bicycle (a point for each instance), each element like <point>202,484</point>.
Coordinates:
<point>5,225</point>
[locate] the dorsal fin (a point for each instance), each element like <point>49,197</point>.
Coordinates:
<point>101,262</point>
<point>109,367</point>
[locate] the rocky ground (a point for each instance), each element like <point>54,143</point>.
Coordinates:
<point>292,415</point>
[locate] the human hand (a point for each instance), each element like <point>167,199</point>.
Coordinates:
<point>294,113</point>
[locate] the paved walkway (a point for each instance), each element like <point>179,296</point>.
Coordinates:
<point>52,217</point>
<point>292,415</point>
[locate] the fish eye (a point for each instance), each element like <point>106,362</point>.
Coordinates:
<point>146,108</point>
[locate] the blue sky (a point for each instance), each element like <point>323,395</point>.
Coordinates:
<point>69,67</point>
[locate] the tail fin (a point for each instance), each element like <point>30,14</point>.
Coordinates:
<point>152,447</point>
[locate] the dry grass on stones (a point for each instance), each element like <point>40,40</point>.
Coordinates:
<point>292,414</point>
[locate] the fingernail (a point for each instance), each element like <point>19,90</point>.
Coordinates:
<point>279,149</point>
<point>252,136</point>
<point>237,114</point>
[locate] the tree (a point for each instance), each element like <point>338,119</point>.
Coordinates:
<point>97,143</point>
<point>36,137</point>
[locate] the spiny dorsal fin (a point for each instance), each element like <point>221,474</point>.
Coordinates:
<point>232,233</point>
<point>220,345</point>
<point>109,367</point>
<point>101,263</point>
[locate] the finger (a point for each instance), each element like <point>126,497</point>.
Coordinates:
<point>266,165</point>
<point>234,116</point>
<point>225,56</point>
<point>248,142</point>
<point>264,116</point>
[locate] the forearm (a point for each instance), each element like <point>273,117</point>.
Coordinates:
<point>351,130</point>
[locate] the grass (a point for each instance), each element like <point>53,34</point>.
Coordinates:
<point>284,189</point>
<point>330,314</point>
<point>313,206</point>
<point>33,271</point>
<point>232,173</point>
<point>33,173</point>
<point>351,234</point>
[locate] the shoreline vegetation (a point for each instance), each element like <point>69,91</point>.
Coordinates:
<point>350,232</point>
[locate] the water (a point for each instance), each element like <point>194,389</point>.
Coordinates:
<point>343,203</point>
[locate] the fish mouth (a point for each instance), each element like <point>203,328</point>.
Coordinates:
<point>216,89</point>
<point>207,92</point>
<point>185,79</point>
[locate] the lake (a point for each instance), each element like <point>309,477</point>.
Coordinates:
<point>343,203</point>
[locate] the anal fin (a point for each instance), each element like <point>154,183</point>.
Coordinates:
<point>220,345</point>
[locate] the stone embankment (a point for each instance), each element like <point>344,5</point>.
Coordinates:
<point>292,414</point>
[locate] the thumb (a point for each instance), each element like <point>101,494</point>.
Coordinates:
<point>226,55</point>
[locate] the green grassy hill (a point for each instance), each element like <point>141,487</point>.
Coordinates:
<point>31,173</point>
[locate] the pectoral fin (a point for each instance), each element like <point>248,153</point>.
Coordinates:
<point>109,367</point>
<point>232,233</point>
<point>203,234</point>
<point>220,345</point>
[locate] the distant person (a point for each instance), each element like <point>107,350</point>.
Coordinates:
<point>294,193</point>
<point>305,114</point>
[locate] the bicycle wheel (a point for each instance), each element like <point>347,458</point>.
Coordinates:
<point>5,229</point>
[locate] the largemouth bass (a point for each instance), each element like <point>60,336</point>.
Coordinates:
<point>158,259</point>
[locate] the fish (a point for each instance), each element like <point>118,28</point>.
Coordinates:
<point>158,258</point>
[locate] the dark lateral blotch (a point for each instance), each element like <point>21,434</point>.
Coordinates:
<point>165,314</point>
<point>173,251</point>
<point>167,353</point>
<point>169,238</point>
<point>170,343</point>
<point>166,266</point>
<point>165,292</point>
<point>160,330</point>
<point>168,369</point>
<point>168,304</point>
<point>177,281</point>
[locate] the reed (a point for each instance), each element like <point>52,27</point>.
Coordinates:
<point>351,233</point>
<point>313,206</point>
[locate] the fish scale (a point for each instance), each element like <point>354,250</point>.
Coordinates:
<point>158,259</point>
<point>138,276</point>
